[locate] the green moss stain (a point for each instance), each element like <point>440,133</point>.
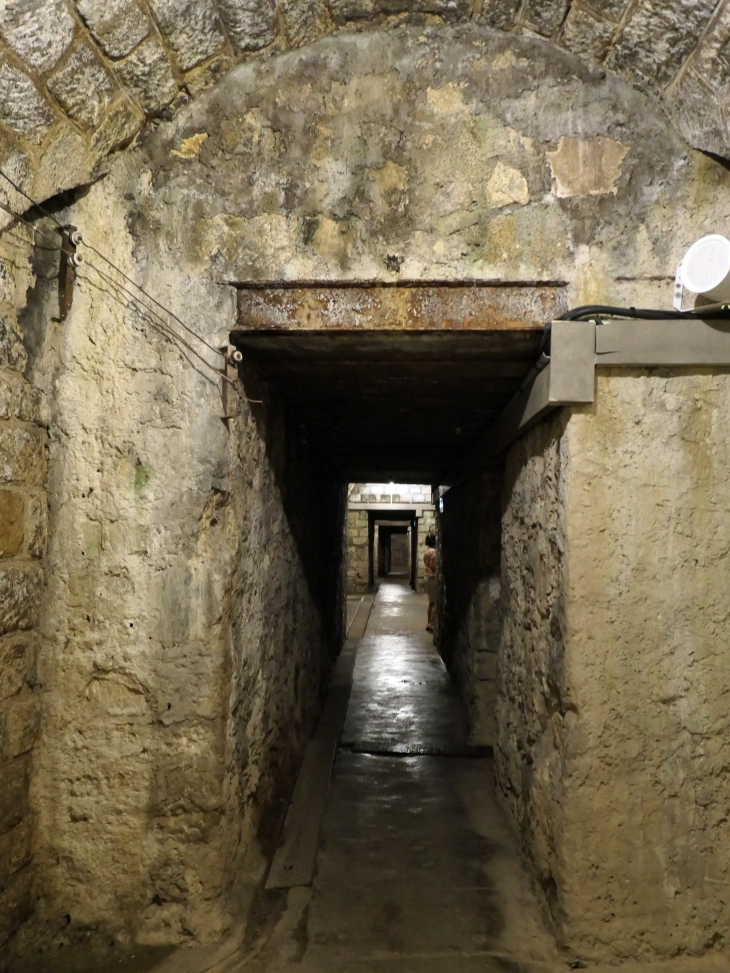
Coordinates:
<point>142,477</point>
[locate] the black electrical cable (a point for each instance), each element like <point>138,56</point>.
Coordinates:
<point>647,314</point>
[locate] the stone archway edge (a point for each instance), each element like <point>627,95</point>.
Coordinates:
<point>79,78</point>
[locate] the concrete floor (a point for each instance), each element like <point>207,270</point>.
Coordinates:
<point>417,870</point>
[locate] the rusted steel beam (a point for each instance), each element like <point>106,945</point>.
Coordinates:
<point>485,307</point>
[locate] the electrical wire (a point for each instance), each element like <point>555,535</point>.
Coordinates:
<point>106,259</point>
<point>30,199</point>
<point>138,304</point>
<point>160,320</point>
<point>35,229</point>
<point>160,323</point>
<point>151,298</point>
<point>647,314</point>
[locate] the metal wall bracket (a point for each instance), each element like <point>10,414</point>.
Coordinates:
<point>567,378</point>
<point>577,348</point>
<point>231,401</point>
<point>67,271</point>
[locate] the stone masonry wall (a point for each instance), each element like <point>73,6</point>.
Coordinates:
<point>23,442</point>
<point>559,173</point>
<point>470,610</point>
<point>403,493</point>
<point>184,644</point>
<point>534,707</point>
<point>78,78</point>
<point>357,551</point>
<point>612,673</point>
<point>426,526</point>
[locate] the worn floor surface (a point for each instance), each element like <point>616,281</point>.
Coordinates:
<point>417,871</point>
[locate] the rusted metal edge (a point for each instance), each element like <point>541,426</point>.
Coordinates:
<point>266,285</point>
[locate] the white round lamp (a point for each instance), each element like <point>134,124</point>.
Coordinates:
<point>706,268</point>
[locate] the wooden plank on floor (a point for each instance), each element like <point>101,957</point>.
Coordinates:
<point>295,859</point>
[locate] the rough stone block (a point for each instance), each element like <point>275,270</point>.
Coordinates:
<point>39,31</point>
<point>120,125</point>
<point>54,174</point>
<point>711,60</point>
<point>19,726</point>
<point>16,652</point>
<point>20,595</point>
<point>611,9</point>
<point>19,166</point>
<point>22,454</point>
<point>545,16</point>
<point>19,400</point>
<point>83,87</point>
<point>118,25</point>
<point>658,38</point>
<point>583,34</point>
<point>12,522</point>
<point>304,22</point>
<point>251,24</point>
<point>191,27</point>
<point>22,107</point>
<point>696,116</point>
<point>14,792</point>
<point>36,524</point>
<point>147,73</point>
<point>499,13</point>
<point>344,11</point>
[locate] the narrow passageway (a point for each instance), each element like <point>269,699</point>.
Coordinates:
<point>402,697</point>
<point>416,870</point>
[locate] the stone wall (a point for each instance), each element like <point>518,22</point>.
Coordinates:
<point>426,526</point>
<point>23,442</point>
<point>79,77</point>
<point>560,174</point>
<point>534,706</point>
<point>185,641</point>
<point>400,549</point>
<point>162,691</point>
<point>612,673</point>
<point>357,552</point>
<point>470,610</point>
<point>402,493</point>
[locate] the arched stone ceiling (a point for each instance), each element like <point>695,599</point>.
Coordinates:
<point>79,79</point>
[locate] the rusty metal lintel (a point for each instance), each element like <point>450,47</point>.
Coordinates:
<point>430,306</point>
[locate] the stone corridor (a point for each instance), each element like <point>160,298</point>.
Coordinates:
<point>417,869</point>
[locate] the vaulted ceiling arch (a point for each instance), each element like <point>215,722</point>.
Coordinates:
<point>80,78</point>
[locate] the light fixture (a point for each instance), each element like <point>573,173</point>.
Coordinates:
<point>705,270</point>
